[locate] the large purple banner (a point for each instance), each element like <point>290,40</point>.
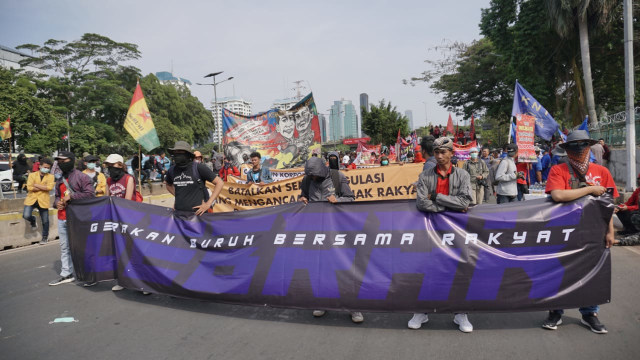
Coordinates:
<point>370,256</point>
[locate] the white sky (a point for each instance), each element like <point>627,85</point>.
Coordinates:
<point>340,48</point>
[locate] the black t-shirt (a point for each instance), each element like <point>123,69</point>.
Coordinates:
<point>188,192</point>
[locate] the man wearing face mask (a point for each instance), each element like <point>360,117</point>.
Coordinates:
<point>39,184</point>
<point>479,172</point>
<point>186,181</point>
<point>573,180</point>
<point>98,179</point>
<point>384,160</point>
<point>326,184</point>
<point>73,185</point>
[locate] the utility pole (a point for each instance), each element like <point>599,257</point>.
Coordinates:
<point>630,93</point>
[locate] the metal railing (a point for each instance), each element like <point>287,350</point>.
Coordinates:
<point>613,128</point>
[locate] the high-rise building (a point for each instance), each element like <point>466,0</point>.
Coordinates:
<point>235,104</point>
<point>343,121</point>
<point>364,101</point>
<point>409,115</point>
<point>166,77</point>
<point>323,127</point>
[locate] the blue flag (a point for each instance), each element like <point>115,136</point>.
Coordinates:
<point>524,103</point>
<point>585,125</point>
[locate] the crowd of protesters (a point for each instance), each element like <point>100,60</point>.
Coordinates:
<point>570,170</point>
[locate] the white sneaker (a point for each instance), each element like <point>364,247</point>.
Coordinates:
<point>117,288</point>
<point>463,323</point>
<point>318,313</point>
<point>357,317</point>
<point>417,320</point>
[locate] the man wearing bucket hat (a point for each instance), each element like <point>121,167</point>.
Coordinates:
<point>443,187</point>
<point>572,180</point>
<point>186,181</point>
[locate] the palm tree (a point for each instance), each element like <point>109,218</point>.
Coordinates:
<point>564,15</point>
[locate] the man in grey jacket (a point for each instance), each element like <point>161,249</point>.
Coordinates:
<point>444,187</point>
<point>507,176</point>
<point>321,184</point>
<point>478,172</point>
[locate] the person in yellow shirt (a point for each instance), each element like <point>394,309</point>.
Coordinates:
<point>98,179</point>
<point>39,184</point>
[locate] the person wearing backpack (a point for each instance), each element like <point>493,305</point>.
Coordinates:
<point>326,184</point>
<point>98,180</point>
<point>186,181</point>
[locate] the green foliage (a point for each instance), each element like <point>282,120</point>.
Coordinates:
<point>35,124</point>
<point>522,41</point>
<point>382,123</point>
<point>92,88</point>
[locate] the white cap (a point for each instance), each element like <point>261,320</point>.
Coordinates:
<point>114,158</point>
<point>473,149</point>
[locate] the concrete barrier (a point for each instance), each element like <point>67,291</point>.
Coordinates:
<point>16,232</point>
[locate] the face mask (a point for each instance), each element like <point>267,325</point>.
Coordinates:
<point>384,162</point>
<point>45,170</point>
<point>115,173</point>
<point>66,167</point>
<point>579,157</point>
<point>227,164</point>
<point>181,160</point>
<point>333,163</point>
<point>91,166</point>
<point>474,155</point>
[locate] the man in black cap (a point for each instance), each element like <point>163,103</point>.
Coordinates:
<point>71,186</point>
<point>186,181</point>
<point>573,180</point>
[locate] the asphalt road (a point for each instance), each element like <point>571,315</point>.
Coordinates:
<point>128,325</point>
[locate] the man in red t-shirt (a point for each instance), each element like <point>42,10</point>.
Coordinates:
<point>441,188</point>
<point>573,180</point>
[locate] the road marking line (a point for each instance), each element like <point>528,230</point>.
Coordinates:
<point>25,248</point>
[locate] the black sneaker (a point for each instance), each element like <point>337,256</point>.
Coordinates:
<point>552,321</point>
<point>63,280</point>
<point>591,320</point>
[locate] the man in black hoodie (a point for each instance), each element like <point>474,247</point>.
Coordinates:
<point>20,170</point>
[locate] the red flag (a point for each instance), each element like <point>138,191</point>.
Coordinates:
<point>472,130</point>
<point>455,136</point>
<point>450,125</point>
<point>65,137</point>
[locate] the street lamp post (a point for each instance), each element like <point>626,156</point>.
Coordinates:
<point>215,102</point>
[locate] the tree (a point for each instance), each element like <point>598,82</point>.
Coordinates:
<point>382,123</point>
<point>35,124</point>
<point>564,15</point>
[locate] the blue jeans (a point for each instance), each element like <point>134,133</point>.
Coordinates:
<point>65,252</point>
<point>27,214</point>
<point>583,310</point>
<point>501,199</point>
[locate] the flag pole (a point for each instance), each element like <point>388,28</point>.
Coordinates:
<point>510,127</point>
<point>139,168</point>
<point>15,196</point>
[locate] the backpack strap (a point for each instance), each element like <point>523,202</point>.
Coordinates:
<point>66,184</point>
<point>575,181</point>
<point>198,179</point>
